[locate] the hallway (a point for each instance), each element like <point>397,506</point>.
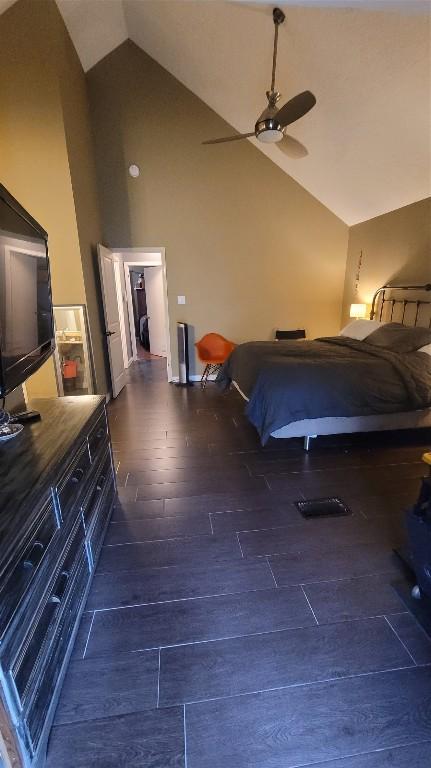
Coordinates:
<point>223,629</point>
<point>143,354</point>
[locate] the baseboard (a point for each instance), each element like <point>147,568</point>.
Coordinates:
<point>194,377</point>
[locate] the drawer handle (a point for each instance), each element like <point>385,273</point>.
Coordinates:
<point>101,482</point>
<point>34,556</point>
<point>77,475</point>
<point>60,587</point>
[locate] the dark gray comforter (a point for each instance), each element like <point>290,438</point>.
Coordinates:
<point>335,376</point>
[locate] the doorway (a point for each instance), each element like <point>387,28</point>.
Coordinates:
<point>146,311</point>
<point>115,269</point>
<point>141,300</point>
<point>139,327</point>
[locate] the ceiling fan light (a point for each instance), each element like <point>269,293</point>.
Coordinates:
<point>270,136</point>
<point>269,131</point>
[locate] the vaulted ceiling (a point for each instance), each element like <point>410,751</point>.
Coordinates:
<point>368,63</point>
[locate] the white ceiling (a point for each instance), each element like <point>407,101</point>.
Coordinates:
<point>95,26</point>
<point>368,136</point>
<point>367,61</point>
<point>5,4</point>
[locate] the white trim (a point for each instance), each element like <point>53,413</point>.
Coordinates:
<point>156,250</point>
<point>117,268</point>
<point>131,313</point>
<point>194,377</point>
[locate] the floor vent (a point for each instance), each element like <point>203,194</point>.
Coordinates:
<point>332,507</point>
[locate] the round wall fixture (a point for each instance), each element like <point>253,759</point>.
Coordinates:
<point>134,171</point>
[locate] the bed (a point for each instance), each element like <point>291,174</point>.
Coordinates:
<point>337,385</point>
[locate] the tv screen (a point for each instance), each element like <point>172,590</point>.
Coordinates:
<point>26,322</point>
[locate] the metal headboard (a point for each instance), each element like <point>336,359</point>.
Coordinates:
<point>390,303</point>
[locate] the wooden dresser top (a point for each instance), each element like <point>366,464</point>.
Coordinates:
<point>29,464</point>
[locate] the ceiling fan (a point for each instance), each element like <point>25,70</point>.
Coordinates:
<point>270,126</point>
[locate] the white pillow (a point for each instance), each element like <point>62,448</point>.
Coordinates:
<point>360,329</point>
<point>426,349</point>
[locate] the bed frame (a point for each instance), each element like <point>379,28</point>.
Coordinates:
<point>388,306</point>
<point>406,304</point>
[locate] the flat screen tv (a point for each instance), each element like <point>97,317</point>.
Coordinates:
<point>26,318</point>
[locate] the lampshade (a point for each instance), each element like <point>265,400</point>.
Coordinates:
<point>358,310</point>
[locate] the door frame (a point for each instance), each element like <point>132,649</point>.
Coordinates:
<point>147,257</point>
<point>123,330</point>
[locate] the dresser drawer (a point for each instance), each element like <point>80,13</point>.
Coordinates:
<point>73,481</point>
<point>101,519</point>
<point>38,707</point>
<point>29,659</point>
<point>98,436</point>
<point>24,572</point>
<point>103,476</point>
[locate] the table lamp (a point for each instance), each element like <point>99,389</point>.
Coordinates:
<point>358,310</point>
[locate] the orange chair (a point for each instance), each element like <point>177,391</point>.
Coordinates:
<point>213,350</point>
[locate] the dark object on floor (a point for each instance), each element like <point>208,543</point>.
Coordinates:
<point>419,531</point>
<point>144,332</point>
<point>420,609</point>
<point>183,355</point>
<point>286,335</point>
<point>417,595</point>
<point>322,507</point>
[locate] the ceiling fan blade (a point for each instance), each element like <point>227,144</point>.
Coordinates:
<point>229,138</point>
<point>296,108</point>
<point>292,148</point>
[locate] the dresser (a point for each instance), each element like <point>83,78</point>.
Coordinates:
<point>57,490</point>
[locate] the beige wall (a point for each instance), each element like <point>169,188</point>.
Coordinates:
<point>250,249</point>
<point>79,141</point>
<point>396,248</point>
<point>36,156</point>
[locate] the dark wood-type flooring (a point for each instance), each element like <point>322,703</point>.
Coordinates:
<point>224,630</point>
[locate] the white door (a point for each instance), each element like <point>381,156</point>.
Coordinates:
<point>107,262</point>
<point>154,292</point>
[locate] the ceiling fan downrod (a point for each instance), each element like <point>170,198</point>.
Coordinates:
<point>273,95</point>
<point>270,126</point>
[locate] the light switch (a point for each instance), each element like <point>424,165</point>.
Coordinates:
<point>181,299</point>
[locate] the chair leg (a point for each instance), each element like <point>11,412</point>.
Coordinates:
<point>205,376</point>
<point>209,369</point>
<point>307,440</point>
